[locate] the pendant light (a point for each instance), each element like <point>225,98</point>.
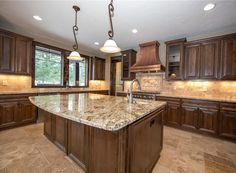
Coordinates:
<point>110,45</point>
<point>74,55</point>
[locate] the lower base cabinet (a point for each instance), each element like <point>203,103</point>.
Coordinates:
<point>132,149</point>
<point>228,120</point>
<point>16,110</point>
<point>214,118</point>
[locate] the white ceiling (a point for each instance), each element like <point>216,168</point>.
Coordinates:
<point>155,20</point>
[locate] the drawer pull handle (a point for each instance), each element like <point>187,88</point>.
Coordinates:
<point>152,123</point>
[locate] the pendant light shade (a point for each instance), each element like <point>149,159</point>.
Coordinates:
<point>74,55</point>
<point>110,46</point>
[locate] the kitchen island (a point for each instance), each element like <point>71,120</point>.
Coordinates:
<point>104,133</point>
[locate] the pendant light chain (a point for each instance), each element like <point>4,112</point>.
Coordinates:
<point>75,28</point>
<point>111,13</point>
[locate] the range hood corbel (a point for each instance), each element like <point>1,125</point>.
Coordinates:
<point>149,60</point>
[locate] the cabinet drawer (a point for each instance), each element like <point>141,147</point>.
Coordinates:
<point>228,107</point>
<point>201,103</point>
<point>169,99</point>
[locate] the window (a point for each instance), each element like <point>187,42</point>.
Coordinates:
<point>78,73</point>
<point>48,67</point>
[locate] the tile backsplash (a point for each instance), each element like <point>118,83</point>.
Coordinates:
<point>157,82</point>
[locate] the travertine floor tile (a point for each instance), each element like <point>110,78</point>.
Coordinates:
<point>27,150</point>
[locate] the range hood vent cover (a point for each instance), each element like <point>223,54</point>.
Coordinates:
<point>149,60</point>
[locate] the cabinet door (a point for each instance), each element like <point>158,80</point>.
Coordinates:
<point>173,114</point>
<point>98,69</point>
<point>147,133</point>
<point>23,55</point>
<point>192,61</point>
<point>228,59</point>
<point>125,66</point>
<point>228,124</point>
<point>48,125</point>
<point>76,143</point>
<point>7,54</point>
<point>208,120</point>
<point>61,133</point>
<point>190,116</point>
<point>27,111</point>
<point>209,60</point>
<point>8,114</point>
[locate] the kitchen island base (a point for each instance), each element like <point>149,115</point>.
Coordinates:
<point>132,149</point>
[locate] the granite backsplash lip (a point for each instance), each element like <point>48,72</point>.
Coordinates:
<point>101,111</point>
<point>219,98</point>
<point>38,91</point>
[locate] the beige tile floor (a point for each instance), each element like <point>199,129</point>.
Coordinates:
<point>26,150</point>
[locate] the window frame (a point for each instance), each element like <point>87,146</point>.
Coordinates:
<point>65,67</point>
<point>88,73</point>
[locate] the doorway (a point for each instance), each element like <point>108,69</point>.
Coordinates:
<point>116,71</point>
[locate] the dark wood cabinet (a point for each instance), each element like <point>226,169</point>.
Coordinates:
<point>23,55</point>
<point>48,125</point>
<point>228,120</point>
<point>8,114</point>
<point>15,53</point>
<point>16,110</point>
<point>98,69</point>
<point>7,53</point>
<point>228,58</point>
<point>210,55</point>
<point>128,59</point>
<point>208,120</point>
<point>211,58</point>
<point>189,117</point>
<point>174,59</point>
<point>148,132</point>
<point>173,111</point>
<point>192,61</point>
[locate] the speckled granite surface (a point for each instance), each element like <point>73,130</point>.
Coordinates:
<point>101,111</point>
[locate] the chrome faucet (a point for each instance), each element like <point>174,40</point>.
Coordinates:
<point>130,95</point>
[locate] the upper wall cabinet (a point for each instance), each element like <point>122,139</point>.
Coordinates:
<point>128,59</point>
<point>7,53</point>
<point>202,59</point>
<point>228,58</point>
<point>98,69</point>
<point>15,53</point>
<point>174,54</point>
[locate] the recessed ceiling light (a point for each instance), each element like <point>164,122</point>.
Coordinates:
<point>134,31</point>
<point>209,6</point>
<point>96,43</point>
<point>37,18</point>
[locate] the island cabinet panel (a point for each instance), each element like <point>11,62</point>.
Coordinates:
<point>48,125</point>
<point>192,61</point>
<point>7,54</point>
<point>149,133</point>
<point>107,152</point>
<point>228,58</point>
<point>228,120</point>
<point>60,138</point>
<point>77,143</point>
<point>8,114</point>
<point>210,54</point>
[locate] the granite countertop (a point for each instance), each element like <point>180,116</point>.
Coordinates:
<point>220,98</point>
<point>101,111</point>
<point>50,90</point>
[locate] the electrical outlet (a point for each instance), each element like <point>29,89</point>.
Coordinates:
<point>4,83</point>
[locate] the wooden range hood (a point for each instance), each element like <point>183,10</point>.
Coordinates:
<point>148,60</point>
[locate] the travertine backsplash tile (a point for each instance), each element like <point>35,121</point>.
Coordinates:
<point>157,82</point>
